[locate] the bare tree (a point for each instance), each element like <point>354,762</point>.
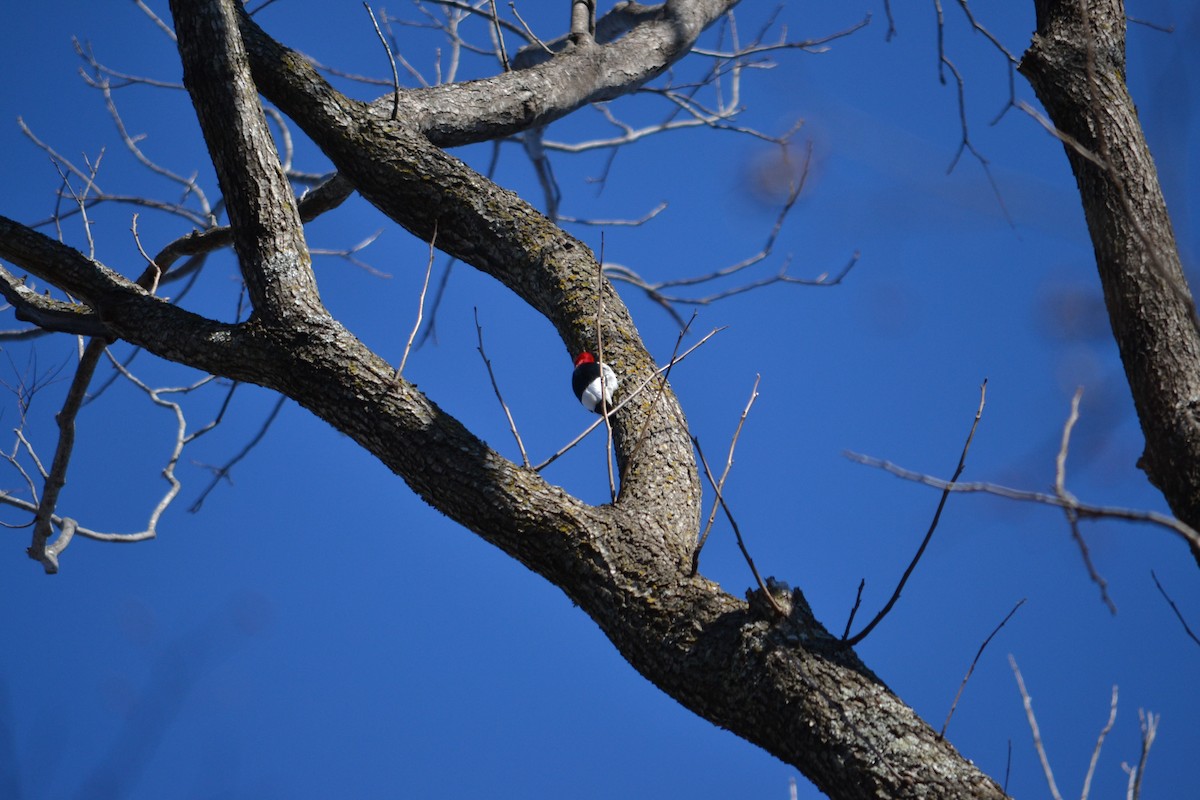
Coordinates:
<point>763,667</point>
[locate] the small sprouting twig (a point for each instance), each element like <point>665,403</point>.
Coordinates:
<point>391,62</point>
<point>720,485</point>
<point>862,583</point>
<point>1033,726</point>
<point>737,532</point>
<point>420,306</point>
<point>1091,770</point>
<point>1060,489</point>
<point>628,398</point>
<point>1175,608</point>
<point>974,662</point>
<point>532,37</point>
<point>512,425</point>
<point>154,268</point>
<point>937,515</point>
<point>499,32</point>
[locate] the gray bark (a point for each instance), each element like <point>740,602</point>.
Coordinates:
<point>1076,65</point>
<point>780,681</point>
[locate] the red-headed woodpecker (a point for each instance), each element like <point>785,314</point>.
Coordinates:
<point>590,379</point>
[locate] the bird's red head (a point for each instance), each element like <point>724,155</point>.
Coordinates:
<point>585,358</point>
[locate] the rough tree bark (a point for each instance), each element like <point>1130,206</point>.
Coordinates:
<point>780,681</point>
<point>1076,65</point>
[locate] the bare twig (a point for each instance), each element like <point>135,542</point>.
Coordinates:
<point>222,472</point>
<point>391,62</point>
<point>1060,489</point>
<point>737,531</point>
<point>719,486</point>
<point>512,425</point>
<point>937,515</point>
<point>1083,510</point>
<point>1033,727</point>
<point>974,662</point>
<point>1091,770</point>
<point>1149,725</point>
<point>499,34</point>
<point>420,305</point>
<point>154,268</point>
<point>862,583</point>
<point>1178,614</point>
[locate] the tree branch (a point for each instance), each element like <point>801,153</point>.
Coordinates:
<point>1076,65</point>
<point>267,234</point>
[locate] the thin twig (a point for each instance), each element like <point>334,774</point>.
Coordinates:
<point>499,33</point>
<point>1084,510</point>
<point>391,62</point>
<point>512,425</point>
<point>420,305</point>
<point>974,662</point>
<point>1033,726</point>
<point>1149,725</point>
<point>1171,603</point>
<point>937,515</point>
<point>862,583</point>
<point>737,532</point>
<point>1060,489</point>
<point>1091,770</point>
<point>154,268</point>
<point>222,473</point>
<point>720,485</point>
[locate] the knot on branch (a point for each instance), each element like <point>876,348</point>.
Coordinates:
<point>778,603</point>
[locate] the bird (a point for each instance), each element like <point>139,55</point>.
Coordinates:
<point>590,379</point>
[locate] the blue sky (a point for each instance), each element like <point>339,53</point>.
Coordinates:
<point>316,630</point>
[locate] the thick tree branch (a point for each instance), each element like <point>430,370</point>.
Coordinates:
<point>267,234</point>
<point>1076,65</point>
<point>127,310</point>
<point>421,187</point>
<point>634,43</point>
